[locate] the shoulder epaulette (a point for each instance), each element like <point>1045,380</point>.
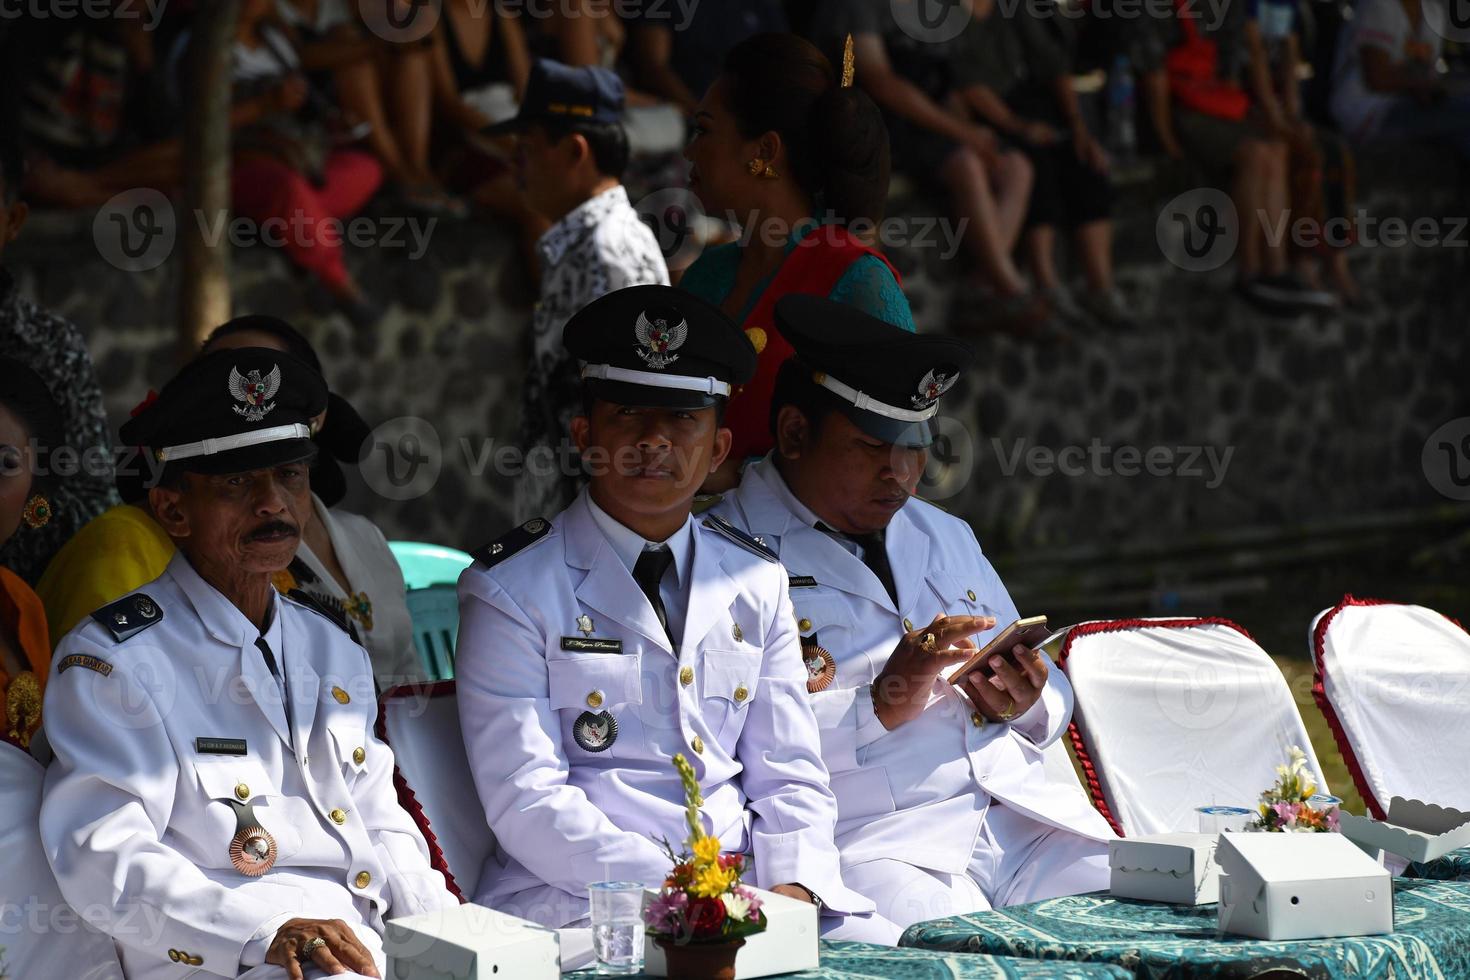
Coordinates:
<point>511,542</point>
<point>753,545</point>
<point>129,616</point>
<point>705,501</point>
<point>330,609</point>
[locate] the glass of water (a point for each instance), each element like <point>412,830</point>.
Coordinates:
<point>617,926</point>
<point>1223,819</point>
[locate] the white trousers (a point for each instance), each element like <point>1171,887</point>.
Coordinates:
<point>1016,860</point>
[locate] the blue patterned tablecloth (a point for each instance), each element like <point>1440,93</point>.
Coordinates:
<point>859,961</point>
<point>1431,938</point>
<point>1454,866</point>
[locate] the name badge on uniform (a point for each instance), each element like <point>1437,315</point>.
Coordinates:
<point>803,582</point>
<point>595,732</point>
<point>219,746</point>
<point>579,644</point>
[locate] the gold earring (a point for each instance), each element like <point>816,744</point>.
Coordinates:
<point>755,166</point>
<point>770,172</point>
<point>37,513</point>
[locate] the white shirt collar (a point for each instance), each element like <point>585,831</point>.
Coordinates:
<point>554,243</point>
<point>628,544</point>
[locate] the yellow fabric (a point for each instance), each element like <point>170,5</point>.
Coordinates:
<point>114,553</point>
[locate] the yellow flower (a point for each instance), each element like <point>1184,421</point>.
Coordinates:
<point>712,881</point>
<point>706,851</point>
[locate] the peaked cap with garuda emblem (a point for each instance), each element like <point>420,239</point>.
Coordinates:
<point>236,410</point>
<point>886,380</point>
<point>656,346</point>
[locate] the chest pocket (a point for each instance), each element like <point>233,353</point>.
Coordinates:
<point>244,780</point>
<point>730,679</point>
<point>827,617</point>
<point>955,596</point>
<point>594,681</point>
<point>349,742</point>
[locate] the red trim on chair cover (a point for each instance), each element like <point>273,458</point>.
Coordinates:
<point>1319,694</point>
<point>406,797</point>
<point>1074,731</point>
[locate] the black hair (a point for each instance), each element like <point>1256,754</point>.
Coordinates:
<point>344,433</point>
<point>26,396</point>
<point>794,386</point>
<point>835,137</point>
<point>607,141</point>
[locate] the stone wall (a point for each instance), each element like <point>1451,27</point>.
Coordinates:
<point>1317,420</point>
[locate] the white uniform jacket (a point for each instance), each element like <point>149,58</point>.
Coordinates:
<point>155,733</point>
<point>733,701</point>
<point>917,794</point>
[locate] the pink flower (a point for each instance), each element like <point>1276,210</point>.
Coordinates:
<point>666,912</point>
<point>752,898</point>
<point>1286,813</point>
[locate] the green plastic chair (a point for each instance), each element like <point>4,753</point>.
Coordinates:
<point>424,565</point>
<point>435,615</point>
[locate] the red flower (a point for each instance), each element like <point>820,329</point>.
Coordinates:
<point>706,916</point>
<point>736,861</point>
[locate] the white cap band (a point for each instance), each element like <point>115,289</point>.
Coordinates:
<point>868,404</point>
<point>209,447</point>
<point>606,372</point>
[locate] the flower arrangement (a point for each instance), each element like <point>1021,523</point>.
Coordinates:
<point>1286,808</point>
<point>702,900</point>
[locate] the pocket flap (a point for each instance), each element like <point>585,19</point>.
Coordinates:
<point>572,682</point>
<point>731,674</point>
<point>350,744</point>
<point>238,778</point>
<point>862,793</point>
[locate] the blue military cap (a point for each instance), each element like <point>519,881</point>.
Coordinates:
<point>558,93</point>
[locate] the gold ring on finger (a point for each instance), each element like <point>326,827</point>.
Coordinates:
<point>308,949</point>
<point>930,644</point>
<point>1009,712</point>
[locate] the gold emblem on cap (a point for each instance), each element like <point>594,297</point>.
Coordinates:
<point>342,696</point>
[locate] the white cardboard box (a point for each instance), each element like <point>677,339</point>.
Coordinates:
<point>1301,886</point>
<point>788,944</point>
<point>1414,829</point>
<point>469,942</point>
<point>1175,868</point>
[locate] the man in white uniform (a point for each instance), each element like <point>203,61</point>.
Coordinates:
<point>217,789</point>
<point>596,645</point>
<point>944,806</point>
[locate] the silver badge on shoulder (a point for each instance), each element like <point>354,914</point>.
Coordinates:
<point>595,732</point>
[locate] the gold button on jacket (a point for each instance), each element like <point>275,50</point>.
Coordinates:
<point>686,676</point>
<point>698,745</point>
<point>359,755</point>
<point>242,791</point>
<point>339,816</point>
<point>363,879</point>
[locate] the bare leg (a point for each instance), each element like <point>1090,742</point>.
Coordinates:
<point>1277,205</point>
<point>964,176</point>
<point>1095,245</point>
<point>360,90</point>
<point>1013,179</point>
<point>411,95</point>
<point>1252,174</point>
<point>1040,246</point>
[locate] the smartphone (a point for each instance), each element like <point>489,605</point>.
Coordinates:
<point>1030,632</point>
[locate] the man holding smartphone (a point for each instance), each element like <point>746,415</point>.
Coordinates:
<point>944,806</point>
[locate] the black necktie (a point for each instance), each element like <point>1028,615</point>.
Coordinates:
<point>875,556</point>
<point>648,572</point>
<point>270,658</point>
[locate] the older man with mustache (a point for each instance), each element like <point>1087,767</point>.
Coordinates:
<point>218,799</point>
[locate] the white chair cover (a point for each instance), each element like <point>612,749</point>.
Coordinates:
<point>40,935</point>
<point>1394,684</point>
<point>1173,714</point>
<point>420,722</point>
